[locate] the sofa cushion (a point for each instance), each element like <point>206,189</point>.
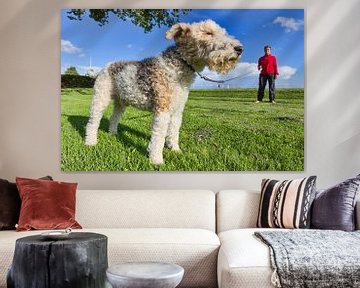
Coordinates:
<point>236,209</point>
<point>334,208</point>
<point>244,261</point>
<point>286,204</point>
<point>153,209</point>
<point>196,250</point>
<point>46,204</point>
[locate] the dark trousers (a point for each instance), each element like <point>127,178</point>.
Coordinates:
<point>262,84</point>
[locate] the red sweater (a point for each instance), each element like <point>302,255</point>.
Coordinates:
<point>268,65</point>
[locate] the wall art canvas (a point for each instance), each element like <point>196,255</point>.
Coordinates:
<point>182,90</point>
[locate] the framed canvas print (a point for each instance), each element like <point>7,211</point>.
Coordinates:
<point>182,90</point>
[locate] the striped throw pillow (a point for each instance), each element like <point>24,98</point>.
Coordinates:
<point>286,204</point>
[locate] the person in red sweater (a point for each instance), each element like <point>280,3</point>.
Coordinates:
<point>268,73</point>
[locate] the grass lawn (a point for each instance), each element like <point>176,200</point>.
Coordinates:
<point>223,130</point>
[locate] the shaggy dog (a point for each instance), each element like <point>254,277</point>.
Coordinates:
<point>161,84</point>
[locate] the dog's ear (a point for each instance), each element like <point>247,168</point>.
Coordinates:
<point>177,30</point>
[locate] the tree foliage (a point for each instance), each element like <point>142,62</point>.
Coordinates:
<point>71,71</point>
<point>144,18</point>
<point>76,81</point>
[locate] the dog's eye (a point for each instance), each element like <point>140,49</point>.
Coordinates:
<point>209,33</point>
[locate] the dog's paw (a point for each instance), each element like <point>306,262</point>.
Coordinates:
<point>113,132</point>
<point>176,149</point>
<point>156,160</point>
<point>90,141</point>
<point>173,147</point>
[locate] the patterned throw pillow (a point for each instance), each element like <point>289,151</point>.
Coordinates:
<point>286,204</point>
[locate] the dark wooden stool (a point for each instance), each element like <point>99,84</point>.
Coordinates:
<point>78,261</point>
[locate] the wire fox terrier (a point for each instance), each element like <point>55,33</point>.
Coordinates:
<point>161,84</point>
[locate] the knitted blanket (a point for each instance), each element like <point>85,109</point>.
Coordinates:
<point>313,258</point>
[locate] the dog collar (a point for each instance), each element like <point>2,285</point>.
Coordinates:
<point>205,77</point>
<point>198,73</point>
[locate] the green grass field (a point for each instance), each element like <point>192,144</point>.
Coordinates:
<point>223,130</point>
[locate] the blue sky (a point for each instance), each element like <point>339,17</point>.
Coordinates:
<point>118,40</point>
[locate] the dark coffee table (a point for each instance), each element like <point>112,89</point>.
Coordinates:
<point>145,275</point>
<point>79,260</point>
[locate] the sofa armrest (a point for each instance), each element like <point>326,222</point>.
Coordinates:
<point>357,215</point>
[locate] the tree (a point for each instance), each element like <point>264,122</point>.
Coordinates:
<point>71,71</point>
<point>144,18</point>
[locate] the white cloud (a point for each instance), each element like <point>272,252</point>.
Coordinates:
<point>83,70</point>
<point>290,24</point>
<point>286,72</point>
<point>68,47</point>
<point>244,69</point>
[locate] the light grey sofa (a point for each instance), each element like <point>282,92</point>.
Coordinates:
<point>243,261</point>
<point>177,226</point>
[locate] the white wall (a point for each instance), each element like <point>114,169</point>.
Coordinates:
<point>30,102</point>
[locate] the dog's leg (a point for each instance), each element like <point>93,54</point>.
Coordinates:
<point>119,109</point>
<point>101,99</point>
<point>172,139</point>
<point>160,127</point>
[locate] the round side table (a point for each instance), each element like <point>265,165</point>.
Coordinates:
<point>80,261</point>
<point>145,275</point>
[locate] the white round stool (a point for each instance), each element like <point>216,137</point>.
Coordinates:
<point>145,275</point>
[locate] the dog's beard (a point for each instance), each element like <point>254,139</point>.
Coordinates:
<point>220,64</point>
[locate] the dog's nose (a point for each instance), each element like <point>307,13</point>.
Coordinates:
<point>239,49</point>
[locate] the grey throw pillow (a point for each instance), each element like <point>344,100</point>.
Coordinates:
<point>334,208</point>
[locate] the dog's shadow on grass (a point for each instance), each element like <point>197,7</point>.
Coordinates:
<point>79,124</point>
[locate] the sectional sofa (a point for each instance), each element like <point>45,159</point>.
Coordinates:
<point>209,234</point>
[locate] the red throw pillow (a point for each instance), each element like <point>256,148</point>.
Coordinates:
<point>46,204</point>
